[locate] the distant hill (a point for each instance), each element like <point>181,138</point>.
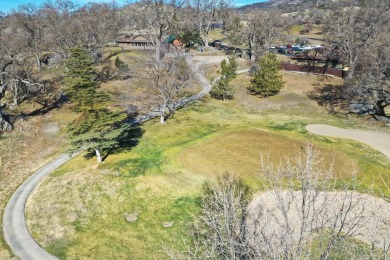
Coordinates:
<point>286,5</point>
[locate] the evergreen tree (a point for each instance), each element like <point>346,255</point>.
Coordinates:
<point>222,88</point>
<point>80,81</point>
<point>267,81</point>
<point>96,128</point>
<point>123,70</point>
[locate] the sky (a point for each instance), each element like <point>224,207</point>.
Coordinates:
<point>8,5</point>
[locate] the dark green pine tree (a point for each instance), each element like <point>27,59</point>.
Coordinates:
<point>267,81</point>
<point>222,88</point>
<point>96,128</point>
<point>80,83</point>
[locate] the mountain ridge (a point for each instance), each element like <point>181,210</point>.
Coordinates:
<point>285,5</point>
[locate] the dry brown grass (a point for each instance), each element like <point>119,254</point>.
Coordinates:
<point>294,93</point>
<point>212,66</point>
<point>239,152</point>
<point>300,83</point>
<point>315,36</point>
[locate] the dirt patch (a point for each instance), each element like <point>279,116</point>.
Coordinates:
<point>167,224</point>
<point>131,217</point>
<point>51,128</point>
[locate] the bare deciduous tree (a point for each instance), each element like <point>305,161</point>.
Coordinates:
<point>220,232</point>
<point>97,24</point>
<point>236,31</point>
<point>206,13</point>
<point>18,82</point>
<point>158,17</point>
<point>369,90</point>
<point>357,33</point>
<point>168,78</point>
<point>263,28</point>
<point>352,28</point>
<point>61,34</point>
<point>29,19</point>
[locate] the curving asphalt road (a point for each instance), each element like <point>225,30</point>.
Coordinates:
<point>15,229</point>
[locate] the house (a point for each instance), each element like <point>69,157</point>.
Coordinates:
<point>138,41</point>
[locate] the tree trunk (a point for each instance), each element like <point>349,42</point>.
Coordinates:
<point>158,51</point>
<point>206,41</point>
<point>351,69</point>
<point>380,108</point>
<point>38,62</point>
<point>5,124</point>
<point>206,35</point>
<point>162,118</point>
<point>252,43</point>
<point>98,156</point>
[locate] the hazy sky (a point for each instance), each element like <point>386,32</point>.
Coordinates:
<point>8,5</point>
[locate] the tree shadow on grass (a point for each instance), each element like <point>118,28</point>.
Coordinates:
<point>46,108</point>
<point>50,99</point>
<point>330,96</point>
<point>126,142</point>
<point>134,167</point>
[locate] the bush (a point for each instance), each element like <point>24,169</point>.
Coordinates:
<point>222,89</point>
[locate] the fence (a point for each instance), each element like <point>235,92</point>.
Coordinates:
<point>312,69</point>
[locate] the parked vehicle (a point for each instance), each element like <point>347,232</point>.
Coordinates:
<point>282,51</point>
<point>216,42</point>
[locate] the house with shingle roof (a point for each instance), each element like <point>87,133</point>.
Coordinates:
<point>137,41</point>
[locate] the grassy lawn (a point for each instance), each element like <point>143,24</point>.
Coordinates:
<point>216,34</point>
<point>79,211</point>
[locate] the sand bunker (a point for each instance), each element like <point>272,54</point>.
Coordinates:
<point>278,216</point>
